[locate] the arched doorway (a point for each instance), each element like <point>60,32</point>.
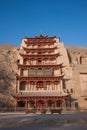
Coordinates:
<point>23,86</point>
<point>59,103</point>
<point>81,58</point>
<point>40,104</point>
<point>50,103</point>
<point>21,104</point>
<point>40,84</point>
<point>31,104</point>
<point>39,61</point>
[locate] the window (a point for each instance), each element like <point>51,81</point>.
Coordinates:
<point>21,72</point>
<point>71,90</point>
<point>32,59</point>
<point>24,61</point>
<point>45,60</point>
<point>40,71</point>
<point>39,46</point>
<point>32,72</point>
<point>47,72</point>
<point>48,83</point>
<point>56,83</point>
<point>23,85</point>
<point>39,52</point>
<point>31,84</point>
<point>32,52</point>
<point>39,60</point>
<point>18,61</point>
<point>81,60</point>
<point>40,84</point>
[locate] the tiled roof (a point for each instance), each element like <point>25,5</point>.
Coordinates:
<point>40,94</point>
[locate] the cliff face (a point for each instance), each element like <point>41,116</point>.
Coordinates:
<point>8,70</point>
<point>77,54</point>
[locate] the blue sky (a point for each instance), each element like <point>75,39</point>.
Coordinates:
<point>66,19</point>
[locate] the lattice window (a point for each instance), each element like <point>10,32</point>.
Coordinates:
<point>40,84</point>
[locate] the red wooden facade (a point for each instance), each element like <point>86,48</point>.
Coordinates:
<point>39,82</point>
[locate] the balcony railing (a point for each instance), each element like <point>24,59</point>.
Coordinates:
<point>49,63</point>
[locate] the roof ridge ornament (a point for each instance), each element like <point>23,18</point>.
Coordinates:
<point>42,36</point>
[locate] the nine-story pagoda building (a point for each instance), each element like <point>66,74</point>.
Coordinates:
<point>40,77</point>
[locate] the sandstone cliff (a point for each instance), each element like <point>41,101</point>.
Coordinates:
<point>8,70</point>
<point>77,54</point>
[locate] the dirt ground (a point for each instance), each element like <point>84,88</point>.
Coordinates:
<point>70,121</point>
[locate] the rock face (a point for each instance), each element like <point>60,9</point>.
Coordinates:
<point>78,80</point>
<point>8,70</point>
<point>75,79</point>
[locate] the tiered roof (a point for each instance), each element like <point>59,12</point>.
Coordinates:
<point>40,78</point>
<point>40,40</point>
<point>40,66</point>
<point>40,94</point>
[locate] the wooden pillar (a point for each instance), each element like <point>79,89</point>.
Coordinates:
<point>54,102</point>
<point>26,105</point>
<point>63,104</point>
<point>49,60</point>
<point>26,85</point>
<point>18,86</point>
<point>35,85</point>
<point>42,60</point>
<point>61,87</point>
<point>52,86</point>
<point>16,102</point>
<point>45,100</point>
<point>35,102</point>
